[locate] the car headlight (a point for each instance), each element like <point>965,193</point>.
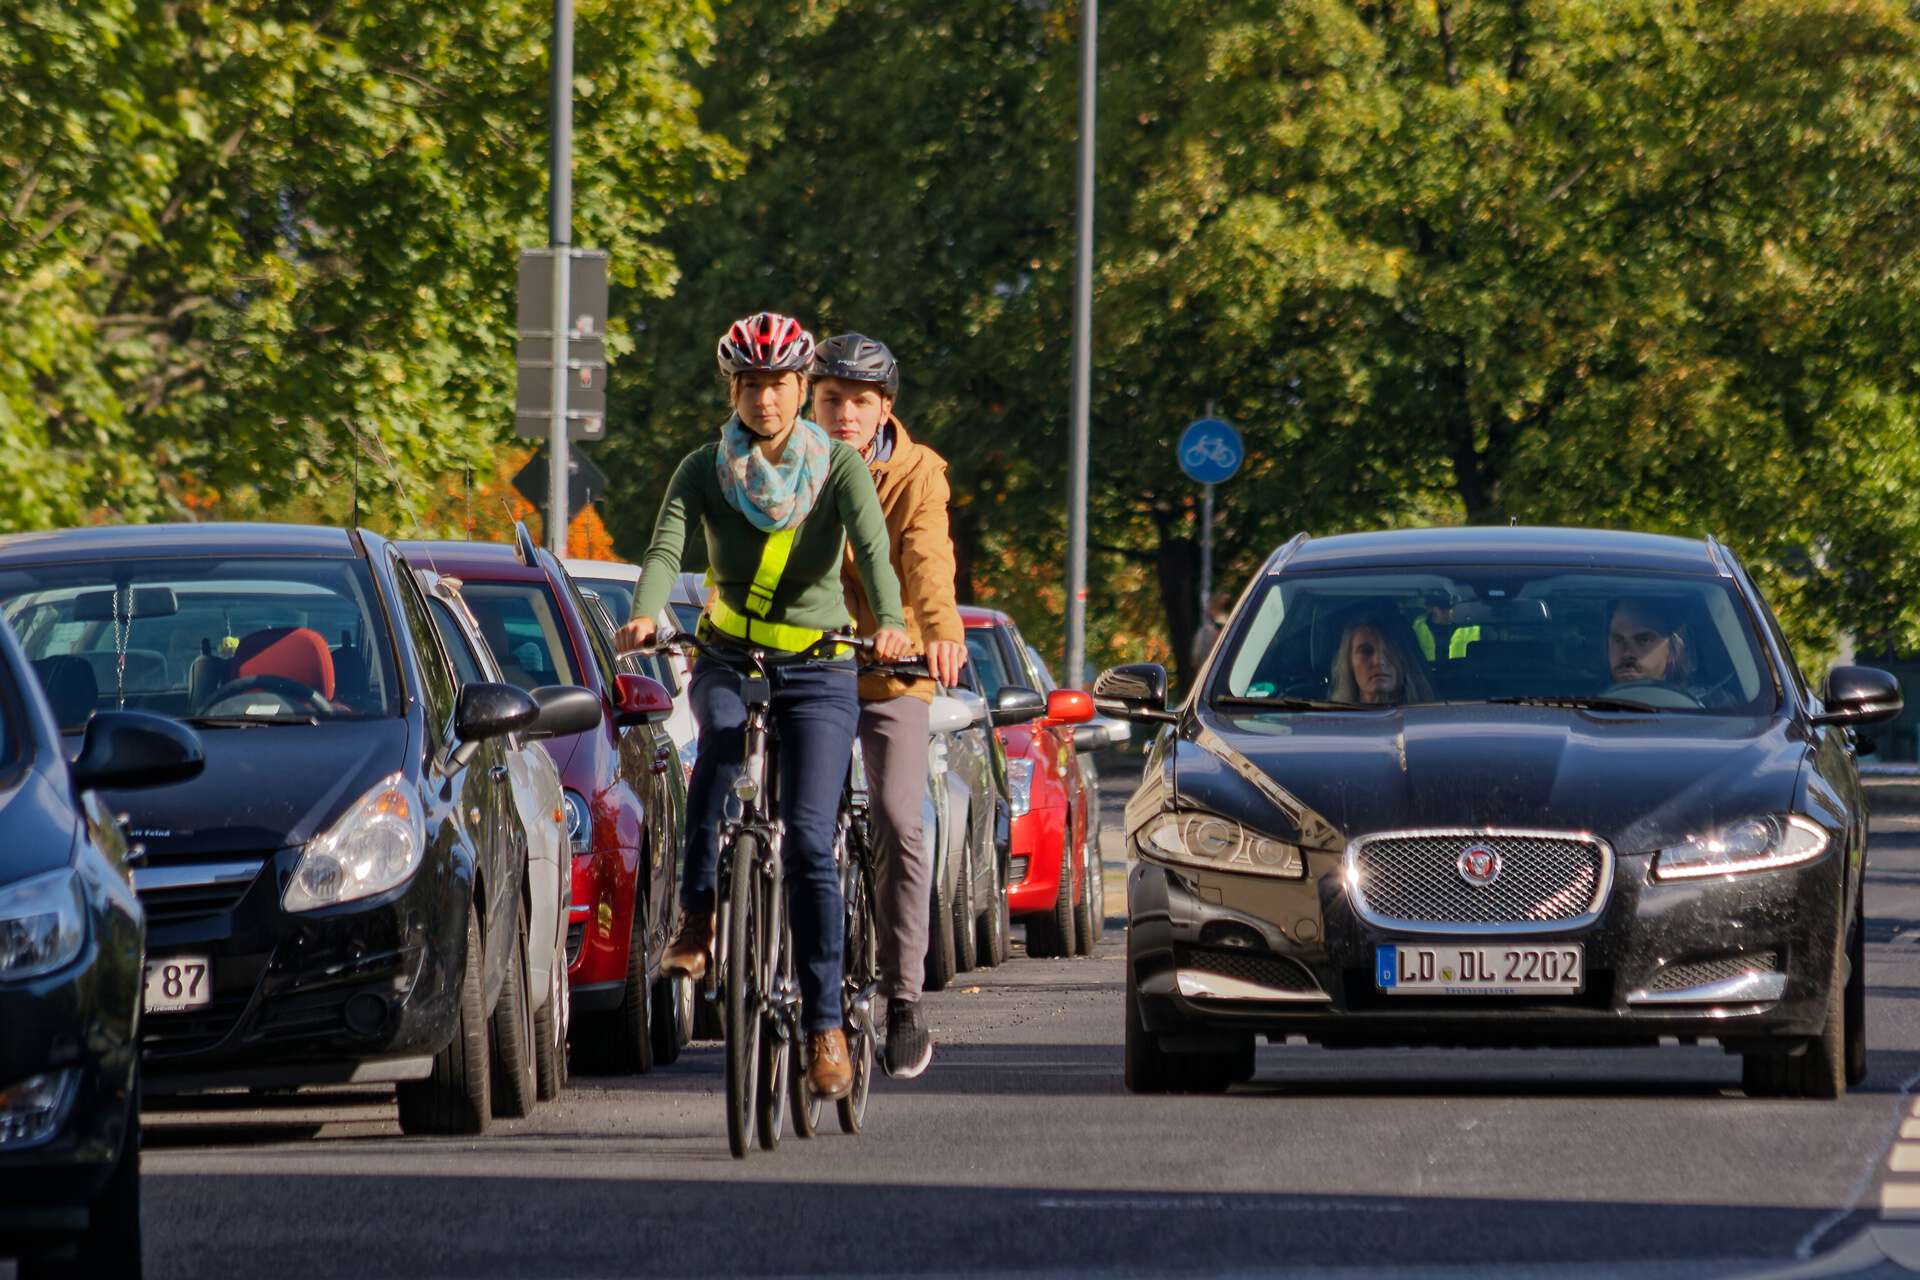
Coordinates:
<point>1753,844</point>
<point>1204,840</point>
<point>1020,785</point>
<point>377,844</point>
<point>32,1110</point>
<point>43,923</point>
<point>579,824</point>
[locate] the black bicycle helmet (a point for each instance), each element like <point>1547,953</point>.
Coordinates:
<point>854,357</point>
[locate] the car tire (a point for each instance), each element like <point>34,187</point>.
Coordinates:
<point>1856,1001</point>
<point>550,1027</point>
<point>940,957</point>
<point>1051,935</point>
<point>966,934</point>
<point>453,1099</point>
<point>1146,1064</point>
<point>1086,924</point>
<point>620,1040</point>
<point>1818,1070</point>
<point>110,1248</point>
<point>515,1050</point>
<point>995,927</point>
<point>1212,1071</point>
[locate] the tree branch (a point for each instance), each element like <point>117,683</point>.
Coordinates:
<point>1444,9</point>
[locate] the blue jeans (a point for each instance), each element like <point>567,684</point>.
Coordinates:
<point>816,709</point>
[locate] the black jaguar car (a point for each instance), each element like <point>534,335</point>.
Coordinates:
<point>1499,787</point>
<point>71,974</point>
<point>336,895</point>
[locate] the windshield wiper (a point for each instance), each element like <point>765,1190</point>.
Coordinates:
<point>245,722</point>
<point>1580,702</point>
<point>1289,704</point>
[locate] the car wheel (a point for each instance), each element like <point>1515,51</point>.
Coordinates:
<point>1146,1065</point>
<point>966,952</point>
<point>1052,934</point>
<point>620,1040</point>
<point>1856,1029</point>
<point>995,927</point>
<point>940,958</point>
<point>1819,1070</point>
<point>453,1099</point>
<point>669,1031</point>
<point>550,1026</point>
<point>514,1049</point>
<point>111,1246</point>
<point>1086,922</point>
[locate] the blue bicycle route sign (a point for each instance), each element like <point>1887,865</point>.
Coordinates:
<point>1210,451</point>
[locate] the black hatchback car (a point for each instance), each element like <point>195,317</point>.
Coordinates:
<point>71,974</point>
<point>335,895</point>
<point>1499,787</point>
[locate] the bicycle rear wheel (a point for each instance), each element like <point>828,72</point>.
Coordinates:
<point>863,977</point>
<point>741,997</point>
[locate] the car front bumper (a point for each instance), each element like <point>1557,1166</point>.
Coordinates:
<point>1217,954</point>
<point>1038,835</point>
<point>366,991</point>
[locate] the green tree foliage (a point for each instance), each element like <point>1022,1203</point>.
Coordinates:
<point>242,241</point>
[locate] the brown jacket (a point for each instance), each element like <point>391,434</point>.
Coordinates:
<point>912,484</point>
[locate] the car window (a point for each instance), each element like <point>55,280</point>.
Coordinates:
<point>466,667</point>
<point>521,624</point>
<point>988,663</point>
<point>1678,642</point>
<point>615,594</point>
<point>250,636</point>
<point>436,676</point>
<point>599,642</point>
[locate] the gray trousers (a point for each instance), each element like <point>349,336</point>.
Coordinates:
<point>893,743</point>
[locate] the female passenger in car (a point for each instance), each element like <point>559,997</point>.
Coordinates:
<point>1378,663</point>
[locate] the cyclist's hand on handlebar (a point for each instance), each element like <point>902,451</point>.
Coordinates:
<point>944,660</point>
<point>636,634</point>
<point>890,644</point>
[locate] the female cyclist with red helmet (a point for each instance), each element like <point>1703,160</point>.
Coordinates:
<point>776,500</point>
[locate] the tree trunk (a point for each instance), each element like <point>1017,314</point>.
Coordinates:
<point>1177,563</point>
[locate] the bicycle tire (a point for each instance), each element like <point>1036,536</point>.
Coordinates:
<point>862,957</point>
<point>741,1017</point>
<point>779,1024</point>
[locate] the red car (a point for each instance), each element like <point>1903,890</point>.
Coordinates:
<point>625,796</point>
<point>1054,882</point>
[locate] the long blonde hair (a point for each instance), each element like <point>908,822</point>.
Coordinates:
<point>1414,685</point>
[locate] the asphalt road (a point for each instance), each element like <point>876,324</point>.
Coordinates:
<point>1020,1151</point>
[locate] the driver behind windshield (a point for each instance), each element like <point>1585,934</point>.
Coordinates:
<point>1646,641</point>
<point>1378,663</point>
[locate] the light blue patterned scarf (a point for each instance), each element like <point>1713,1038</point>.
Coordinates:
<point>773,495</point>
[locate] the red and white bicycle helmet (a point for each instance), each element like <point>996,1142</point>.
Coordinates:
<point>768,342</point>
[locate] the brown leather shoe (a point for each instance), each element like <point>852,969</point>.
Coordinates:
<point>688,951</point>
<point>828,1070</point>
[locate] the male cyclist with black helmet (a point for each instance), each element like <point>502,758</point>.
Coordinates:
<point>776,501</point>
<point>855,384</point>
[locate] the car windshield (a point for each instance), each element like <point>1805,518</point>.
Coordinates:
<point>215,639</point>
<point>520,624</point>
<point>988,662</point>
<point>1604,640</point>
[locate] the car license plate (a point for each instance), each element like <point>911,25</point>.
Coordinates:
<point>178,982</point>
<point>1452,969</point>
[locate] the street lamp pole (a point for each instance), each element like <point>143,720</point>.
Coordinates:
<point>1082,360</point>
<point>560,239</point>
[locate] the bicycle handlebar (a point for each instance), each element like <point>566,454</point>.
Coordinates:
<point>914,668</point>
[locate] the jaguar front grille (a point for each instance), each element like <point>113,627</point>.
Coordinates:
<point>1488,881</point>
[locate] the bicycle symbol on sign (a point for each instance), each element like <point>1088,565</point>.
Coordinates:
<point>1213,449</point>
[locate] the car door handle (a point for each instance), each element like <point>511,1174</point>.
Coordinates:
<point>498,773</point>
<point>662,760</point>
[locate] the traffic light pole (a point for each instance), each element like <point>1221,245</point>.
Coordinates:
<point>560,237</point>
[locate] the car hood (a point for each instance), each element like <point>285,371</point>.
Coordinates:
<point>37,826</point>
<point>1639,782</point>
<point>263,789</point>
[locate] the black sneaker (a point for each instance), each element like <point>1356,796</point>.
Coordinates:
<point>909,1047</point>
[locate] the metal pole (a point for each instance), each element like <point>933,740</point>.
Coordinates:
<point>560,238</point>
<point>1206,553</point>
<point>1082,361</point>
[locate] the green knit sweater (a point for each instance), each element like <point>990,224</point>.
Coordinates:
<point>809,593</point>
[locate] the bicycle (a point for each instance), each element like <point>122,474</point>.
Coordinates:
<point>752,976</point>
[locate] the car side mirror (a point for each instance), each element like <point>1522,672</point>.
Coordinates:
<point>1016,704</point>
<point>978,712</point>
<point>123,750</point>
<point>640,700</point>
<point>1069,706</point>
<point>1860,695</point>
<point>1099,735</point>
<point>948,715</point>
<point>1135,691</point>
<point>565,709</point>
<point>485,710</point>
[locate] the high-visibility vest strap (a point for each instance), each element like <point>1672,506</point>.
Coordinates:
<point>774,635</point>
<point>773,563</point>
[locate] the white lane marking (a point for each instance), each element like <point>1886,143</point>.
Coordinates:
<point>1905,1156</point>
<point>1909,1130</point>
<point>1902,1103</point>
<point>1900,1199</point>
<point>1214,1203</point>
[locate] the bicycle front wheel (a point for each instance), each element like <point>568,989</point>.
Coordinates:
<point>741,1018</point>
<point>780,1021</point>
